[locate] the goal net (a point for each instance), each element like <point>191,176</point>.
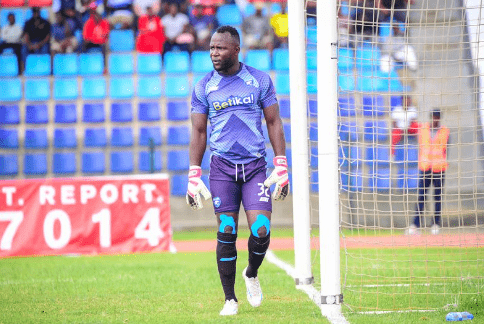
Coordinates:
<point>399,63</point>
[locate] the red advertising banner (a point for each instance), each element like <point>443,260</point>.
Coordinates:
<point>119,214</point>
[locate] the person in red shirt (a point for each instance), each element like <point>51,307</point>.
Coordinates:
<point>151,36</point>
<point>96,30</point>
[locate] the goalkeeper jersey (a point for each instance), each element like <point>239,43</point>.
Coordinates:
<point>234,106</point>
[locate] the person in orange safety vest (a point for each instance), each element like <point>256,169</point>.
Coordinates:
<point>433,139</point>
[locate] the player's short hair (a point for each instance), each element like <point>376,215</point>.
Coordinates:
<point>231,30</point>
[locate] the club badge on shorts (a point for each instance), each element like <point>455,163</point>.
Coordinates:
<point>217,202</point>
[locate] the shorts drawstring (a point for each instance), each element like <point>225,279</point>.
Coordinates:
<point>243,172</point>
<point>236,172</point>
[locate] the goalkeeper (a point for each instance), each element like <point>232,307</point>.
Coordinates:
<point>234,97</point>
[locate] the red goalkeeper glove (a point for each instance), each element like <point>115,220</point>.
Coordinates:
<point>195,188</point>
<point>280,177</point>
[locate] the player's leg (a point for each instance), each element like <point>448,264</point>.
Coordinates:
<point>438,182</point>
<point>260,227</point>
<point>423,184</point>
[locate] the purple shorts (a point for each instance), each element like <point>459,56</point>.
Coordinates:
<point>231,184</point>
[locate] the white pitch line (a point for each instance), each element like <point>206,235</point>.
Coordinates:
<point>312,292</point>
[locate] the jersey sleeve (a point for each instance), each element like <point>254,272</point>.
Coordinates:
<point>268,92</point>
<point>199,99</point>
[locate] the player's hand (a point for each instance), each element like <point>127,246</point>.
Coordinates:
<point>195,188</point>
<point>280,177</point>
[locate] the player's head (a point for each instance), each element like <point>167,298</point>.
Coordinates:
<point>224,50</point>
<point>435,115</point>
<point>407,101</point>
<point>11,18</point>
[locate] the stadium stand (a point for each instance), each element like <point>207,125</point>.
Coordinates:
<point>149,111</point>
<point>38,65</point>
<point>149,87</point>
<point>65,113</point>
<point>179,185</point>
<point>280,59</point>
<point>93,162</point>
<point>95,137</point>
<point>66,65</point>
<point>145,161</point>
<point>149,64</point>
<point>65,138</point>
<point>373,106</point>
<point>178,135</point>
<point>93,88</point>
<point>122,162</point>
<point>12,3</point>
<point>66,89</point>
<point>91,64</point>
<point>284,108</point>
<point>281,83</point>
<point>35,164</point>
<point>121,63</point>
<point>8,164</point>
<point>8,66</point>
<point>376,131</point>
<point>177,160</point>
<point>122,136</point>
<point>201,62</point>
<point>64,163</point>
<point>9,114</point>
<point>259,59</point>
<point>177,110</point>
<point>121,112</point>
<point>36,139</point>
<point>229,14</point>
<point>8,138</point>
<point>150,133</point>
<point>346,106</point>
<point>121,40</point>
<point>346,60</point>
<point>11,89</point>
<point>93,113</point>
<point>121,87</point>
<point>37,89</point>
<point>176,86</point>
<point>177,62</point>
<point>36,114</point>
<point>348,131</point>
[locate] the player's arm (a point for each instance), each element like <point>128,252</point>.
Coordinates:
<point>276,135</point>
<point>198,142</point>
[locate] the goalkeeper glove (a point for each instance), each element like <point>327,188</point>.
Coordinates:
<point>195,188</point>
<point>280,177</point>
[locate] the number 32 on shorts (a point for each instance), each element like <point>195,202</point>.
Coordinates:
<point>264,193</point>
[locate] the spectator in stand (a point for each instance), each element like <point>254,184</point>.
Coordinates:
<point>62,39</point>
<point>365,20</point>
<point>404,120</point>
<point>11,38</point>
<point>37,33</point>
<point>204,24</point>
<point>396,49</point>
<point>74,19</point>
<point>280,24</point>
<point>399,8</point>
<point>141,7</point>
<point>96,30</point>
<point>257,30</point>
<point>182,5</point>
<point>151,36</point>
<point>120,13</point>
<point>176,24</point>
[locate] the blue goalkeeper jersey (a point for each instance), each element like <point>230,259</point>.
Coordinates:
<point>234,107</point>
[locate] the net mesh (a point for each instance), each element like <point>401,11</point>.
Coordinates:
<point>397,66</point>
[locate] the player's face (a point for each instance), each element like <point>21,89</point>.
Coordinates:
<point>224,52</point>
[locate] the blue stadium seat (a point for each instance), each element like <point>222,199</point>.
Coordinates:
<point>65,113</point>
<point>197,77</point>
<point>376,131</point>
<point>178,160</point>
<point>91,64</point>
<point>178,135</point>
<point>285,108</point>
<point>65,138</point>
<point>346,61</point>
<point>121,63</point>
<point>349,156</point>
<point>95,137</point>
<point>38,65</point>
<point>145,161</point>
<point>9,114</point>
<point>348,131</point>
<point>367,58</point>
<point>93,113</point>
<point>313,131</point>
<point>93,88</point>
<point>8,164</point>
<point>407,178</point>
<point>346,82</point>
<point>37,89</point>
<point>176,62</point>
<point>378,155</point>
<point>149,87</point>
<point>406,154</point>
<point>36,114</point>
<point>206,159</point>
<point>346,106</point>
<point>371,82</point>
<point>121,40</point>
<point>149,64</point>
<point>121,87</point>
<point>8,138</point>
<point>36,138</point>
<point>373,106</point>
<point>153,132</point>
<point>229,14</point>
<point>280,59</point>
<point>351,180</point>
<point>281,83</point>
<point>35,164</point>
<point>313,158</point>
<point>259,59</point>
<point>19,14</point>
<point>178,110</point>
<point>312,60</point>
<point>313,108</point>
<point>312,37</point>
<point>287,132</point>
<point>121,112</point>
<point>65,89</point>
<point>8,66</point>
<point>93,162</point>
<point>312,81</point>
<point>64,163</point>
<point>176,86</point>
<point>379,178</point>
<point>149,111</point>
<point>122,162</point>
<point>122,136</point>
<point>394,83</point>
<point>395,101</point>
<point>179,185</point>
<point>201,62</point>
<point>66,65</point>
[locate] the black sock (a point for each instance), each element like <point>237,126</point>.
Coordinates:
<point>257,251</point>
<point>226,262</point>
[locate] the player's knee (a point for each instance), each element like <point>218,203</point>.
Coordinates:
<point>227,224</point>
<point>261,227</point>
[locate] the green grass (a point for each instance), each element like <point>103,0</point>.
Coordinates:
<point>185,288</point>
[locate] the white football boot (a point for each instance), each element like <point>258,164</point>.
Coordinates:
<point>435,229</point>
<point>254,292</point>
<point>230,308</point>
<point>412,230</point>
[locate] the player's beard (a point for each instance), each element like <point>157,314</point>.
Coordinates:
<point>225,65</point>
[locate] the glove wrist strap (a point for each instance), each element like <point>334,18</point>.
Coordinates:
<point>280,161</point>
